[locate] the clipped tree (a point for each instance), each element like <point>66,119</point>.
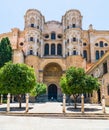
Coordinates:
<point>39,89</point>
<point>5,51</point>
<point>17,79</point>
<point>76,82</point>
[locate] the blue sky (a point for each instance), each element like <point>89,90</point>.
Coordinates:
<point>94,12</point>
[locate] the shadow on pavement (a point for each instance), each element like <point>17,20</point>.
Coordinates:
<point>79,109</point>
<point>15,109</point>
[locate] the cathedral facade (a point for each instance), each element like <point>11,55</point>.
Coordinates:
<point>51,47</point>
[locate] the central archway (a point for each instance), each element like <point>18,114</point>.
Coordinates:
<point>51,76</point>
<point>52,92</point>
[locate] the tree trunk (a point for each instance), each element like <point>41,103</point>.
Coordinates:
<point>69,100</point>
<point>20,100</point>
<point>1,99</point>
<point>75,105</point>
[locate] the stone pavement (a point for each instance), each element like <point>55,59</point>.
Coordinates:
<point>53,107</point>
<point>39,123</point>
<point>51,123</point>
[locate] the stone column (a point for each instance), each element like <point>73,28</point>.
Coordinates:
<point>8,102</point>
<point>56,50</point>
<point>49,49</point>
<point>27,101</point>
<point>64,103</point>
<point>82,103</point>
<point>1,98</point>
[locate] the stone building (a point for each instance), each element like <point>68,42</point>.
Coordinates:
<point>100,70</point>
<point>51,47</point>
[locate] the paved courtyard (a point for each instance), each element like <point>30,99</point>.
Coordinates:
<point>53,107</point>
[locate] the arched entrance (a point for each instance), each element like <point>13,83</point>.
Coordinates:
<point>52,92</point>
<point>99,96</point>
<point>51,76</point>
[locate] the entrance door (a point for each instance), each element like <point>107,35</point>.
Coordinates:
<point>52,92</point>
<point>99,96</point>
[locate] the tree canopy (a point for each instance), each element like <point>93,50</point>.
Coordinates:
<point>5,51</point>
<point>76,82</point>
<point>17,79</point>
<point>39,89</point>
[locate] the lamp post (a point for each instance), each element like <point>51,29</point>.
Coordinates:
<point>64,103</point>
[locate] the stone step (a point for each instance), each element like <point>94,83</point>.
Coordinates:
<point>60,115</point>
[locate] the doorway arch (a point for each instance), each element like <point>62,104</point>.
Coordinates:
<point>52,92</point>
<point>99,96</point>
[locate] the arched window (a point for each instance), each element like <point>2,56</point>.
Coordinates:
<point>46,49</point>
<point>97,55</point>
<point>32,25</point>
<point>59,49</point>
<point>52,49</point>
<point>85,54</point>
<point>73,25</point>
<point>74,39</point>
<point>102,53</point>
<point>31,52</point>
<point>53,36</point>
<point>74,52</point>
<point>31,38</point>
<point>32,21</point>
<point>101,43</point>
<point>73,21</point>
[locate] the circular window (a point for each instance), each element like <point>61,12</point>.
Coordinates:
<point>84,44</point>
<point>59,36</point>
<point>21,44</point>
<point>46,36</point>
<point>96,44</point>
<point>105,44</point>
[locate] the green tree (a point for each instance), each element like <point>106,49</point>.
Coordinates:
<point>39,89</point>
<point>5,51</point>
<point>76,82</point>
<point>17,79</point>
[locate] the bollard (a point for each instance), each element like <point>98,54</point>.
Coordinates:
<point>8,102</point>
<point>103,104</point>
<point>27,101</point>
<point>82,103</point>
<point>64,103</point>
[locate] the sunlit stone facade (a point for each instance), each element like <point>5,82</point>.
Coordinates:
<point>51,47</point>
